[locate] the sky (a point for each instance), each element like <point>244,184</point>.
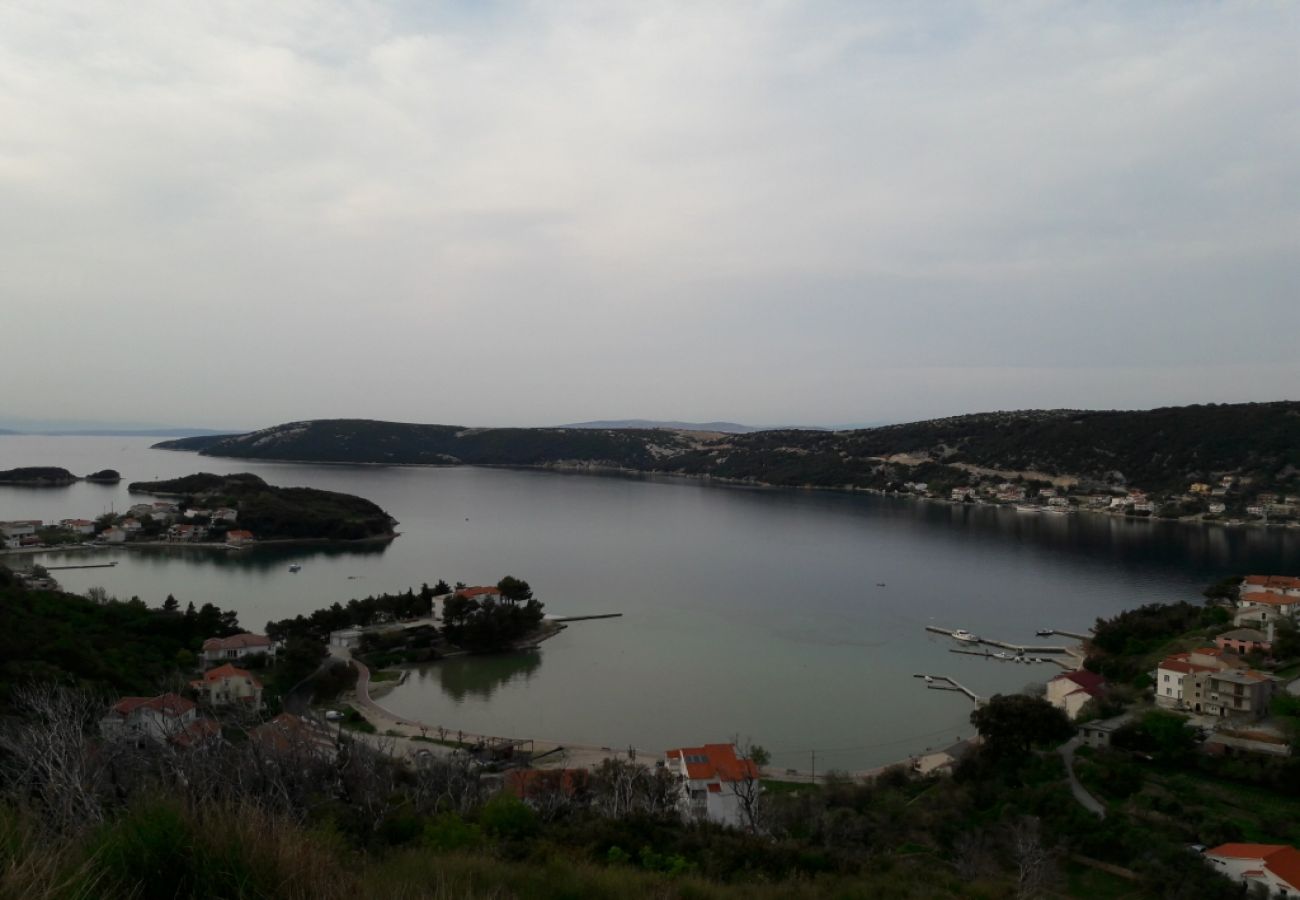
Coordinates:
<point>239,213</point>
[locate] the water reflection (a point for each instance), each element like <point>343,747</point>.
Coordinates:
<point>479,677</point>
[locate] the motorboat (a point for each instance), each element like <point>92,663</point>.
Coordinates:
<point>1044,632</point>
<point>294,567</point>
<point>962,634</point>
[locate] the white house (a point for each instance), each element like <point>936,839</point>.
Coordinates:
<point>113,535</point>
<point>229,685</point>
<point>131,525</point>
<point>1275,866</point>
<point>225,514</point>
<point>715,784</point>
<point>238,537</point>
<point>346,638</point>
<point>1069,691</point>
<point>160,718</point>
<point>237,646</point>
<point>79,526</point>
<point>1285,604</point>
<point>18,529</point>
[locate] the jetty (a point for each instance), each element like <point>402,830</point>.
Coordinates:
<point>945,683</point>
<point>107,565</point>
<point>1005,645</point>
<point>583,618</point>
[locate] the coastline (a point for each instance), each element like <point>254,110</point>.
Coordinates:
<point>722,481</point>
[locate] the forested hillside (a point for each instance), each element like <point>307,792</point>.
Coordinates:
<point>1158,450</point>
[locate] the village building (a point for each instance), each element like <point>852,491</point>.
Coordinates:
<point>157,718</point>
<point>1216,508</point>
<point>229,685</point>
<point>239,537</point>
<point>1208,680</point>
<point>19,529</point>
<point>1271,584</point>
<point>236,647</point>
<point>1069,691</point>
<point>112,535</point>
<point>130,525</point>
<point>1099,732</point>
<point>1286,605</point>
<point>1274,867</point>
<point>713,782</point>
<point>225,514</point>
<point>78,526</point>
<point>1245,640</point>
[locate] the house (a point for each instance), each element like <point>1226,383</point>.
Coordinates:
<point>157,718</point>
<point>1098,733</point>
<point>1256,510</point>
<point>18,529</point>
<point>1257,615</point>
<point>130,526</point>
<point>1273,584</point>
<point>1245,640</point>
<point>1240,692</point>
<point>1069,691</point>
<point>196,734</point>
<point>113,535</point>
<point>962,494</point>
<point>547,787</point>
<point>78,526</point>
<point>164,511</point>
<point>1199,487</point>
<point>346,638</point>
<point>229,685</point>
<point>484,593</point>
<point>714,783</point>
<point>1276,867</point>
<point>1058,501</point>
<point>186,532</point>
<point>140,510</point>
<point>294,736</point>
<point>225,514</point>
<point>942,761</point>
<point>1046,493</point>
<point>1285,604</point>
<point>237,646</point>
<point>239,537</point>
<point>198,512</point>
<point>1180,678</point>
<point>1216,508</point>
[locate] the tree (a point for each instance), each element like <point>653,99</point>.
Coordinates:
<point>1012,725</point>
<point>441,588</point>
<point>170,604</point>
<point>514,589</point>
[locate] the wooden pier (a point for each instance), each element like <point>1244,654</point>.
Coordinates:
<point>945,683</point>
<point>1005,645</point>
<point>107,565</point>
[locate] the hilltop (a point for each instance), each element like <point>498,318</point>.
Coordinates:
<point>38,476</point>
<point>1160,450</point>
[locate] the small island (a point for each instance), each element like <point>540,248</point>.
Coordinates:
<point>237,509</point>
<point>38,476</point>
<point>105,476</point>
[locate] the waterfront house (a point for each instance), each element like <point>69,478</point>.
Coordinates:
<point>962,494</point>
<point>239,537</point>
<point>225,514</point>
<point>1256,510</point>
<point>712,782</point>
<point>1216,508</point>
<point>113,535</point>
<point>183,531</point>
<point>78,526</point>
<point>18,529</point>
<point>1275,868</point>
<point>1069,691</point>
<point>157,718</point>
<point>1245,640</point>
<point>229,685</point>
<point>1270,584</point>
<point>130,525</point>
<point>236,647</point>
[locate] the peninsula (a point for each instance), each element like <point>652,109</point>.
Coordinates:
<point>1234,462</point>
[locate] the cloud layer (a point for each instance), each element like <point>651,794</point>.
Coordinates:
<point>239,213</point>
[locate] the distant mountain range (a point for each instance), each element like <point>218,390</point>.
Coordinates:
<point>722,427</point>
<point>91,429</point>
<point>1157,450</point>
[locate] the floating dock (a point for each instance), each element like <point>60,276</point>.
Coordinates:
<point>107,565</point>
<point>1005,645</point>
<point>944,683</point>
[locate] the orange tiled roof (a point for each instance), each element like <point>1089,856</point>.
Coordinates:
<point>168,704</point>
<point>1281,860</point>
<point>478,591</point>
<point>1280,582</point>
<point>237,642</point>
<point>714,761</point>
<point>227,671</point>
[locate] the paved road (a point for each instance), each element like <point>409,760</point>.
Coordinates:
<point>1089,802</point>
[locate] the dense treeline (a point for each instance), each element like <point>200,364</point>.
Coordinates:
<point>356,613</point>
<point>272,512</point>
<point>112,646</point>
<point>1158,450</point>
<point>37,475</point>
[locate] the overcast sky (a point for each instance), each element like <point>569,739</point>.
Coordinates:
<point>243,213</point>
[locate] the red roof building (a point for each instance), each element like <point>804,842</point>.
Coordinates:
<point>716,784</point>
<point>237,646</point>
<point>1275,866</point>
<point>227,685</point>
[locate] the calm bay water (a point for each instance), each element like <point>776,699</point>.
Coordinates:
<point>745,612</point>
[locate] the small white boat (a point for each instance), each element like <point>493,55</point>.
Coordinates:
<point>1044,632</point>
<point>1026,507</point>
<point>1001,655</point>
<point>294,567</point>
<point>962,634</point>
